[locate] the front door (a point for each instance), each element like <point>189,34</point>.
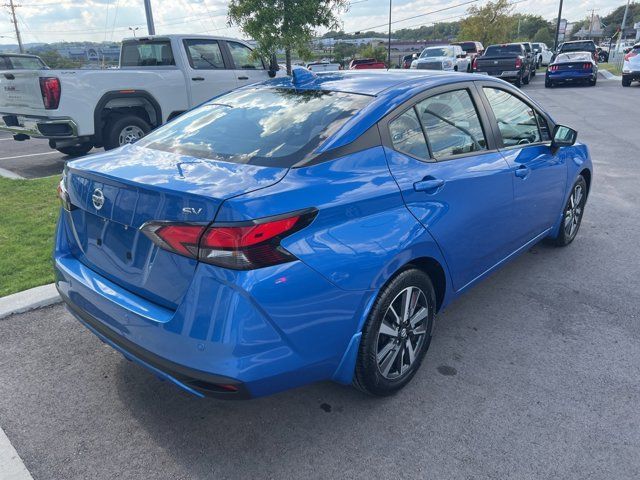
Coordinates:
<point>208,74</point>
<point>247,68</point>
<point>453,180</point>
<point>539,175</point>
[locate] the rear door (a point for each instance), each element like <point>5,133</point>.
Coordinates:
<point>247,69</point>
<point>539,176</point>
<point>452,177</point>
<point>208,73</point>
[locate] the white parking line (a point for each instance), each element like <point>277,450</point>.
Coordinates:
<point>11,466</point>
<point>10,138</point>
<point>28,155</point>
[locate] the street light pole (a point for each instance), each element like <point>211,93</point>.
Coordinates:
<point>555,47</point>
<point>389,39</point>
<point>134,30</point>
<point>147,10</point>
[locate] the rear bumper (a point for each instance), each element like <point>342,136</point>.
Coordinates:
<point>233,335</point>
<point>571,76</point>
<point>631,75</point>
<point>38,127</point>
<point>506,75</point>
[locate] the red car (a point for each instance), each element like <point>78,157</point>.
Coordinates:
<point>365,63</point>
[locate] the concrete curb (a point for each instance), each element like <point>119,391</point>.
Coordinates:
<point>609,76</point>
<point>11,466</point>
<point>8,174</point>
<point>29,300</point>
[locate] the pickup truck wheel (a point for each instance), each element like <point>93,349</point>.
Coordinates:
<point>518,82</point>
<point>124,129</point>
<point>626,82</point>
<point>76,150</point>
<point>526,78</point>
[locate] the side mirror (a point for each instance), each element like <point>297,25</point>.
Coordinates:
<point>563,137</point>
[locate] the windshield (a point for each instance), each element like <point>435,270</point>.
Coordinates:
<point>26,63</point>
<point>498,50</point>
<point>437,52</point>
<point>578,47</point>
<point>268,127</point>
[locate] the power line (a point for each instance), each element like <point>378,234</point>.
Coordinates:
<point>13,7</point>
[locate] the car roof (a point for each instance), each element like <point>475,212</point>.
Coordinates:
<point>26,55</point>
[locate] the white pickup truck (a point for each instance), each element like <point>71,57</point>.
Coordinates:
<point>159,78</point>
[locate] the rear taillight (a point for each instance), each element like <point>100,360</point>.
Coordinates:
<point>237,245</point>
<point>518,62</point>
<point>630,55</point>
<point>474,63</point>
<point>553,68</point>
<point>50,89</point>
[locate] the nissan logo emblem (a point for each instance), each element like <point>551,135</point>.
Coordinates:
<point>97,199</point>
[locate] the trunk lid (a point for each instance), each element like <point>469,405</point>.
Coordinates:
<point>117,192</point>
<point>20,91</point>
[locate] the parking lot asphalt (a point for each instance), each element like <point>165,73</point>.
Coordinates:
<point>534,374</point>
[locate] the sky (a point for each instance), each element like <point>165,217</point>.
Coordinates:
<point>110,20</point>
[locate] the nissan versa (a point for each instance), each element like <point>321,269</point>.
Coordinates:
<point>310,228</point>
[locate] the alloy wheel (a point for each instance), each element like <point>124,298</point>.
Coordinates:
<point>130,134</point>
<point>573,213</point>
<point>402,333</point>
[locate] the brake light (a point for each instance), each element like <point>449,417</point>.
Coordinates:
<point>518,62</point>
<point>553,68</point>
<point>474,63</point>
<point>587,66</point>
<point>50,89</point>
<point>237,245</point>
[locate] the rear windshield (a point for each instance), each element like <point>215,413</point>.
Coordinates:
<point>146,54</point>
<point>268,127</point>
<point>469,47</point>
<point>25,63</point>
<point>498,50</point>
<point>578,47</point>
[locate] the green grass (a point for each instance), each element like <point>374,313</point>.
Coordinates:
<point>611,67</point>
<point>28,214</point>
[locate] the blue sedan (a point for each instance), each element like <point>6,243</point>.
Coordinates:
<point>572,67</point>
<point>311,228</point>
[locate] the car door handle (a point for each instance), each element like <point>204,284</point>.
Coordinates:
<point>428,185</point>
<point>197,79</point>
<point>243,78</point>
<point>522,171</point>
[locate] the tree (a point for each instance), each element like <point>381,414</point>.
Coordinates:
<point>343,51</point>
<point>284,24</point>
<point>544,36</point>
<point>379,52</point>
<point>491,23</point>
<point>54,60</point>
<point>529,26</point>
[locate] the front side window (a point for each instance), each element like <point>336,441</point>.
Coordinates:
<point>406,135</point>
<point>261,126</point>
<point>147,54</point>
<point>204,54</point>
<point>243,57</point>
<point>451,123</point>
<point>26,63</point>
<point>516,120</point>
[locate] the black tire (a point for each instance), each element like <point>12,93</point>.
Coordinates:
<point>116,127</point>
<point>534,71</point>
<point>567,233</point>
<point>548,83</point>
<point>518,82</point>
<point>626,82</point>
<point>593,82</point>
<point>76,150</point>
<point>527,78</point>
<point>369,376</point>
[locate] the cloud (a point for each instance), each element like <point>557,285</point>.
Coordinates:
<point>98,20</point>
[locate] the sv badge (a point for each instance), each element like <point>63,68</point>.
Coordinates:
<point>191,211</point>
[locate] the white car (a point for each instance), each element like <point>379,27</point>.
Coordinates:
<point>159,78</point>
<point>445,57</point>
<point>631,66</point>
<point>543,53</point>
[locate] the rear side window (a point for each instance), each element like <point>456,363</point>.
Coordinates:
<point>204,54</point>
<point>25,63</point>
<point>469,47</point>
<point>406,135</point>
<point>262,126</point>
<point>497,50</point>
<point>451,123</point>
<point>516,120</point>
<point>147,54</point>
<point>243,57</point>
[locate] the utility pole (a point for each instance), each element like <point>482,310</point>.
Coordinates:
<point>624,23</point>
<point>555,46</point>
<point>389,39</point>
<point>591,24</point>
<point>147,10</point>
<point>15,24</point>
